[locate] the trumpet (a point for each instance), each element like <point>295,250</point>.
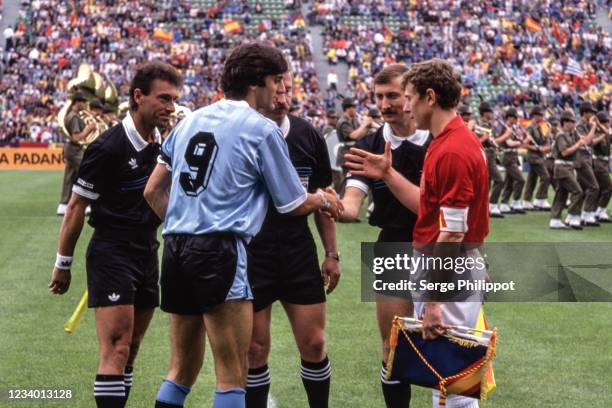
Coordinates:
<point>481,130</point>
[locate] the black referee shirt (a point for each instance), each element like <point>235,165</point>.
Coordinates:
<point>308,154</point>
<point>113,174</point>
<point>407,159</point>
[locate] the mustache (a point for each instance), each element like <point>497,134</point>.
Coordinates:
<point>388,111</point>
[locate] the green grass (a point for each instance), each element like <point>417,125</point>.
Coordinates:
<point>549,354</point>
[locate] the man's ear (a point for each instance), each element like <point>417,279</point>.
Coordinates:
<point>430,94</point>
<point>138,96</point>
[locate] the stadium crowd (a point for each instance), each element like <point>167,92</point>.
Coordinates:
<point>512,53</point>
<point>52,38</point>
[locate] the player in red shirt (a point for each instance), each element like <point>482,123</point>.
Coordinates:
<point>452,201</point>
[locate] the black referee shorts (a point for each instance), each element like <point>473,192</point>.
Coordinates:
<point>198,272</point>
<point>122,270</point>
<point>285,269</point>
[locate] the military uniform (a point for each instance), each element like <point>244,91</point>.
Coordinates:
<point>584,169</point>
<point>564,176</point>
<point>601,168</point>
<point>549,160</point>
<point>344,128</point>
<point>537,168</point>
<point>496,181</point>
<point>514,181</point>
<point>73,155</point>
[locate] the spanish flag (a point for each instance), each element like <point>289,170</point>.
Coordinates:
<point>232,26</point>
<point>162,35</point>
<point>532,25</point>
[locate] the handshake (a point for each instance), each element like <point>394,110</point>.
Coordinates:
<point>330,203</point>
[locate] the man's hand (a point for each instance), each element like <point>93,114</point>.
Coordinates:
<point>60,281</point>
<point>336,208</point>
<point>374,166</point>
<point>330,269</point>
<point>367,122</point>
<point>432,321</point>
<point>471,124</point>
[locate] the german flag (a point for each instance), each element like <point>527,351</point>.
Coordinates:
<point>532,25</point>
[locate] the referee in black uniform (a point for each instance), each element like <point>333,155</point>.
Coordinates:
<point>121,259</point>
<point>408,148</point>
<point>283,265</point>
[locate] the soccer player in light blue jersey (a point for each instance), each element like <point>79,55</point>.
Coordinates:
<point>218,169</point>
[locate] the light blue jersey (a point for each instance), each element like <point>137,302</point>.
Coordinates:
<point>226,161</point>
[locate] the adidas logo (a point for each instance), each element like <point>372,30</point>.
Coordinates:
<point>133,164</point>
<point>113,297</point>
<point>67,264</point>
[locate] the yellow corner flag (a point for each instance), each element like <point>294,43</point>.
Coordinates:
<point>77,315</point>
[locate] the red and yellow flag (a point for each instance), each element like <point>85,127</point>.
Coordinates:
<point>232,26</point>
<point>532,25</point>
<point>559,34</point>
<point>162,35</point>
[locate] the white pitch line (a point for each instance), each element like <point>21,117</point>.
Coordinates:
<point>271,402</point>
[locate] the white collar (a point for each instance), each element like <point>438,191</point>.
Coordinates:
<point>284,127</point>
<point>133,136</point>
<point>234,102</point>
<point>418,138</point>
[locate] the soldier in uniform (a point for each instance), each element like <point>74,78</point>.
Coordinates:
<point>536,149</point>
<point>584,163</point>
<point>485,131</point>
<point>466,114</point>
<point>349,130</point>
<point>73,151</point>
<point>514,181</point>
<point>564,151</point>
<point>97,108</point>
<point>331,120</point>
<point>549,160</point>
<point>601,165</point>
<point>109,115</point>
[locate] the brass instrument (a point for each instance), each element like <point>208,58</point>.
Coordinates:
<point>92,85</point>
<point>481,130</point>
<point>87,117</point>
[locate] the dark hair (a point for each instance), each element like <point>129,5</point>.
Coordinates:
<point>438,75</point>
<point>150,71</point>
<point>389,73</point>
<point>250,64</point>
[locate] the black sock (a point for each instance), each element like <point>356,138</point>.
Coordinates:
<point>128,376</point>
<point>316,378</point>
<point>397,394</point>
<point>159,404</point>
<point>258,387</point>
<point>109,391</point>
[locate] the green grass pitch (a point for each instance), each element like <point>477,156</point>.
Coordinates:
<point>549,354</point>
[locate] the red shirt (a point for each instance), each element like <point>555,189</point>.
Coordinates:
<point>454,188</point>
